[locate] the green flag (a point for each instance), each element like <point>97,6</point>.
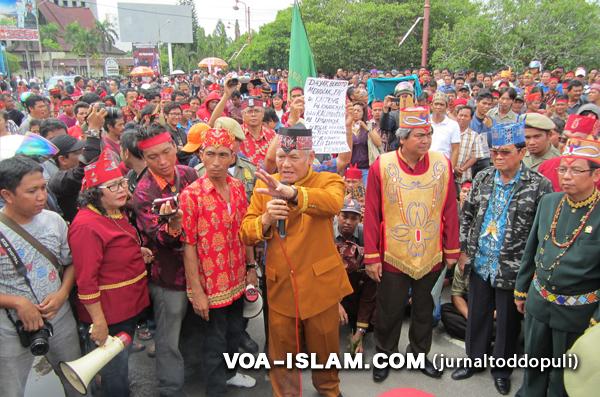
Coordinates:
<point>302,62</point>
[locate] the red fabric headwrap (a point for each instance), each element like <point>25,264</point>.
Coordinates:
<point>377,105</point>
<point>353,172</point>
<point>103,170</point>
<point>155,140</point>
<point>533,97</point>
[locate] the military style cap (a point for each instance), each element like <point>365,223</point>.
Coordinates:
<point>539,121</point>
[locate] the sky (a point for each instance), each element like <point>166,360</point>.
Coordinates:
<point>210,11</point>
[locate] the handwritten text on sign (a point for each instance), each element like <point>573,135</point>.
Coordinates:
<point>325,112</point>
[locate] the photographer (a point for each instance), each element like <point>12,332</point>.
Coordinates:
<point>37,319</point>
<point>66,183</point>
<point>160,225</point>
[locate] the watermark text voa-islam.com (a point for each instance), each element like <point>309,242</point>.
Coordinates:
<point>395,361</point>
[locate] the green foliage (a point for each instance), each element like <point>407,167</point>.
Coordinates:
<point>49,34</point>
<point>479,34</point>
<point>107,34</point>
<point>85,42</point>
<point>513,32</point>
<point>357,34</point>
<point>13,61</point>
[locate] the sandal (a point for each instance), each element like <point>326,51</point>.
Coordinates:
<point>144,334</point>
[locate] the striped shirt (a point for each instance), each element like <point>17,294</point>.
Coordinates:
<point>470,146</point>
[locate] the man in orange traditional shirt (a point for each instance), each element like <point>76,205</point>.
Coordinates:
<point>306,278</point>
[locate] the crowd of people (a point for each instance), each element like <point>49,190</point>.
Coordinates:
<point>169,200</point>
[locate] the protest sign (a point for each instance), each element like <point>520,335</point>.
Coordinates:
<point>325,114</point>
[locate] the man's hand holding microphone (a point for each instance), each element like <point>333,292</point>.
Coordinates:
<point>277,208</point>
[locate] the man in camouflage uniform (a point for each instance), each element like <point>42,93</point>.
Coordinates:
<point>496,220</point>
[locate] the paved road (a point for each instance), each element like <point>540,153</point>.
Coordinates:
<point>353,383</point>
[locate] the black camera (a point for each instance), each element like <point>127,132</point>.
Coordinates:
<point>111,112</point>
<point>233,82</point>
<point>36,341</point>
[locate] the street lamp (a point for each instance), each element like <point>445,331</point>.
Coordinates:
<point>247,15</point>
<point>169,49</point>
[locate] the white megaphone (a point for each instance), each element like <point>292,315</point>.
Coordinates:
<point>253,303</point>
<point>80,372</point>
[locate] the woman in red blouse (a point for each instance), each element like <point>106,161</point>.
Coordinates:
<point>109,265</point>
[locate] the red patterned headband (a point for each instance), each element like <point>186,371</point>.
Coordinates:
<point>155,140</point>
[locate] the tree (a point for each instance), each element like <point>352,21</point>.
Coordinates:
<point>195,26</point>
<point>511,33</point>
<point>13,62</point>
<point>49,35</point>
<point>356,34</point>
<point>107,34</point>
<point>85,42</point>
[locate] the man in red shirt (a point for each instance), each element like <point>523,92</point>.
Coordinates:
<point>578,126</point>
<point>130,113</point>
<point>81,111</point>
<point>258,137</point>
<point>67,116</point>
<point>410,229</point>
<point>214,258</point>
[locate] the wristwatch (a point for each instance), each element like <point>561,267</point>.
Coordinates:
<point>93,133</point>
<point>251,265</point>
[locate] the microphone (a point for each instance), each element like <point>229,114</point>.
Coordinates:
<point>281,223</point>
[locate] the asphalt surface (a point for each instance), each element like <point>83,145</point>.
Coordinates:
<point>354,383</point>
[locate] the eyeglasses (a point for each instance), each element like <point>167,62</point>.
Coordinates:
<point>174,114</point>
<point>574,171</point>
<point>122,184</point>
<point>502,153</point>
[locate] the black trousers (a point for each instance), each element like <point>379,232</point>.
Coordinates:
<point>115,374</point>
<point>454,322</point>
<point>392,296</point>
<point>221,334</point>
<point>483,300</point>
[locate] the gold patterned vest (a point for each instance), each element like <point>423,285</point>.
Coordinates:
<point>412,209</point>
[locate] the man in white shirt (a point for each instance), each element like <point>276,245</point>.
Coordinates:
<point>446,132</point>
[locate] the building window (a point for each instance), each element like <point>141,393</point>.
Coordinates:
<point>56,2</point>
<point>74,3</point>
<point>65,3</point>
<point>83,4</point>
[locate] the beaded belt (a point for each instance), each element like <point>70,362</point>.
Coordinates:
<point>566,300</point>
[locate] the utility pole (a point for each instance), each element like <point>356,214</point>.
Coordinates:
<point>425,44</point>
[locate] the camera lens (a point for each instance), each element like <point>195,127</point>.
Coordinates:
<point>39,347</point>
<point>39,343</point>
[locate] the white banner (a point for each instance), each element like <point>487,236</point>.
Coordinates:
<point>325,114</point>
